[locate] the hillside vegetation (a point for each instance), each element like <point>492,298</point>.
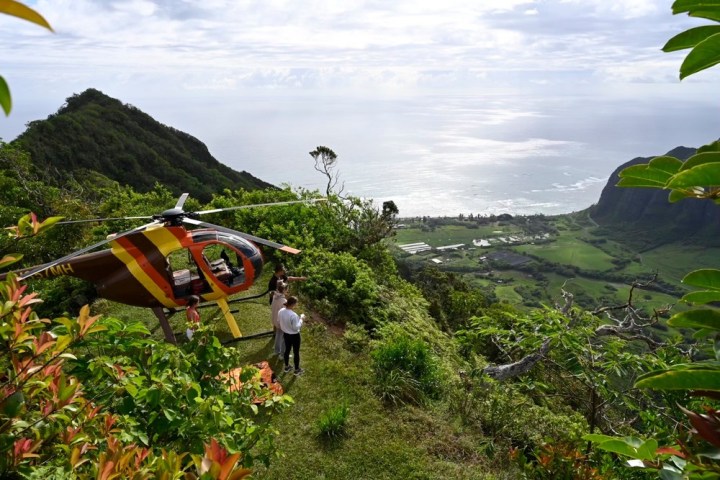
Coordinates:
<point>128,146</point>
<point>400,380</point>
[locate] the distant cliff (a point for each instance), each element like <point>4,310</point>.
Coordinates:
<point>95,132</point>
<point>648,209</point>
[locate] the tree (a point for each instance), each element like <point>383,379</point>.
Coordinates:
<point>325,163</point>
<point>17,9</point>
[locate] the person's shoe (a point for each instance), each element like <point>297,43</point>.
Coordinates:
<point>288,368</point>
<point>299,371</point>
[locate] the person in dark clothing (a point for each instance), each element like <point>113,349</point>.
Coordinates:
<point>280,274</point>
<point>226,257</point>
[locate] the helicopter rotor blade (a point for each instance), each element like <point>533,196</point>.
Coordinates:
<point>66,222</point>
<point>181,200</point>
<point>246,236</point>
<point>272,204</point>
<point>42,268</point>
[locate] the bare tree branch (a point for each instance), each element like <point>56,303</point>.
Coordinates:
<point>628,327</point>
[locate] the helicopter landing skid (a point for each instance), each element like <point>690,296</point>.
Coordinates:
<point>249,337</point>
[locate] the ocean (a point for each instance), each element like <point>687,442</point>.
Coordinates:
<point>446,155</point>
<point>442,155</point>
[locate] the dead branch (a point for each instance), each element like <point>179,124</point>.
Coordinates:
<point>510,370</point>
<point>628,327</point>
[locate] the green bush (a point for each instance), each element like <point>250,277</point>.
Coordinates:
<point>406,371</point>
<point>356,338</point>
<point>344,286</point>
<point>333,422</point>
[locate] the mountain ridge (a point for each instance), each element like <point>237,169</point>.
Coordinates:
<point>649,209</point>
<point>126,145</point>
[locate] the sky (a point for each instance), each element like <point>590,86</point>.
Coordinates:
<point>445,105</point>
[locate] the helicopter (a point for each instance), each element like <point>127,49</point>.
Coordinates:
<point>160,264</point>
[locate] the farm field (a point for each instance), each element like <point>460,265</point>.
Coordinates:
<point>575,256</point>
<point>451,234</point>
<point>675,261</point>
<point>570,250</point>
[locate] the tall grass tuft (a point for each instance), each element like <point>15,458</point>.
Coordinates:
<point>333,422</point>
<point>405,370</point>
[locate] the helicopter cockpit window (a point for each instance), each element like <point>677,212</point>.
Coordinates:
<point>187,278</point>
<point>227,271</point>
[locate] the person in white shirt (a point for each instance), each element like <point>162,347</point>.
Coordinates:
<point>290,323</point>
<point>278,302</point>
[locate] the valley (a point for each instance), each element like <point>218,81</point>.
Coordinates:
<point>527,261</point>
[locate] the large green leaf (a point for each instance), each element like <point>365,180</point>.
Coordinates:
<point>710,147</point>
<point>704,278</point>
<point>17,9</point>
<point>704,318</point>
<point>620,447</point>
<point>5,100</point>
<point>701,176</point>
<point>677,195</point>
<point>639,182</point>
<point>651,176</point>
<point>704,55</point>
<point>709,13</point>
<point>667,164</point>
<point>705,296</point>
<point>680,6</point>
<point>597,437</point>
<point>690,38</point>
<point>700,159</point>
<point>691,379</point>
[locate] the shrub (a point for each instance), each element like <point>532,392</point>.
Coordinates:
<point>345,286</point>
<point>333,422</point>
<point>356,338</point>
<point>405,369</point>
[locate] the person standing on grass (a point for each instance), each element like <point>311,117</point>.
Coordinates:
<point>278,302</point>
<point>290,323</point>
<point>193,317</point>
<point>280,275</point>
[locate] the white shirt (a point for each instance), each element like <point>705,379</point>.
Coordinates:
<point>290,322</point>
<point>278,302</point>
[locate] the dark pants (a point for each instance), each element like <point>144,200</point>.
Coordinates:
<point>292,340</point>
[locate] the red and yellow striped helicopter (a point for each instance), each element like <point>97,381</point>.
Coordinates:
<point>160,264</point>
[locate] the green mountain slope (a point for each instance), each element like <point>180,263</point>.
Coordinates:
<point>648,210</point>
<point>95,132</point>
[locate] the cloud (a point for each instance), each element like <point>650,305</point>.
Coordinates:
<point>424,45</point>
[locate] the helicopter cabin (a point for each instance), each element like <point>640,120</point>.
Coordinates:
<point>188,278</point>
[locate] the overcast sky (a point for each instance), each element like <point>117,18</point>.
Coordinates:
<point>213,67</point>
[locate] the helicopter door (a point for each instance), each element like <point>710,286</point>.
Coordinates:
<point>219,259</point>
<point>186,278</point>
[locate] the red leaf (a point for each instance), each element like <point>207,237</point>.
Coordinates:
<point>670,451</point>
<point>706,428</point>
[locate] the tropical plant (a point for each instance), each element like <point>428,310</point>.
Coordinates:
<point>695,453</point>
<point>122,405</point>
<point>19,10</point>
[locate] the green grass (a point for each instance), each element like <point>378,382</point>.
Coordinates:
<point>674,261</point>
<point>569,250</point>
<point>506,293</point>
